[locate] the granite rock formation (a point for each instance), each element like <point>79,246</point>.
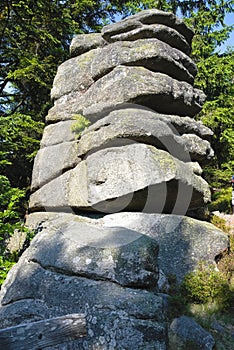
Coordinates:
<point>112,203</point>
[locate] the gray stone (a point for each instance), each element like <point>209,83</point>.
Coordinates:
<point>163,283</point>
<point>74,75</point>
<point>124,26</point>
<point>112,267</point>
<point>16,242</point>
<point>58,133</point>
<point>199,150</point>
<point>122,126</point>
<point>216,326</point>
<point>28,310</point>
<point>80,248</point>
<point>51,162</point>
<point>78,73</point>
<point>130,85</point>
<point>112,312</point>
<point>85,42</point>
<point>149,53</point>
<point>182,125</point>
<point>132,177</point>
<point>152,16</point>
<point>53,220</point>
<point>186,125</point>
<point>183,241</point>
<point>166,34</point>
<point>185,333</point>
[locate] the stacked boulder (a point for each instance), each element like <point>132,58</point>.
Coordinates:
<point>141,156</point>
<point>134,83</point>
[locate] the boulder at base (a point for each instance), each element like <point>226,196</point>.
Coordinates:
<point>75,266</point>
<point>183,242</point>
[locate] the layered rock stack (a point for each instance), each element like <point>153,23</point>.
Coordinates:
<point>141,156</point>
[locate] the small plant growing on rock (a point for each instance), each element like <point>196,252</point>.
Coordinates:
<point>80,124</point>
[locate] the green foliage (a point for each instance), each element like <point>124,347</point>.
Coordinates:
<point>5,266</point>
<point>215,78</point>
<point>9,199</point>
<point>222,201</point>
<point>80,124</point>
<point>19,142</point>
<point>207,285</point>
<point>10,212</point>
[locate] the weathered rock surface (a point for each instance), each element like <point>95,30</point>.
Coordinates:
<point>130,84</point>
<point>183,241</point>
<point>152,54</point>
<point>185,125</point>
<point>185,333</point>
<point>181,125</point>
<point>112,312</point>
<point>57,258</point>
<point>83,249</point>
<point>85,42</point>
<point>16,242</point>
<point>122,126</point>
<point>117,178</point>
<point>148,17</point>
<point>74,75</point>
<point>53,161</point>
<point>58,133</point>
<point>158,31</point>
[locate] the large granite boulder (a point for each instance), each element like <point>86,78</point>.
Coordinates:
<point>112,312</point>
<point>130,85</point>
<point>158,31</point>
<point>152,54</point>
<point>48,165</point>
<point>134,177</point>
<point>143,126</point>
<point>75,265</point>
<point>183,241</point>
<point>80,247</point>
<point>148,17</point>
<point>135,114</point>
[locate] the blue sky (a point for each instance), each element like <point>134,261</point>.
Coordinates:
<point>230,42</point>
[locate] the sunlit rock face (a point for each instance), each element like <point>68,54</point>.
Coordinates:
<point>117,187</point>
<point>133,83</point>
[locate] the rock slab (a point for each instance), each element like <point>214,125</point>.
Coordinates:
<point>186,333</point>
<point>132,176</point>
<point>65,278</point>
<point>183,241</point>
